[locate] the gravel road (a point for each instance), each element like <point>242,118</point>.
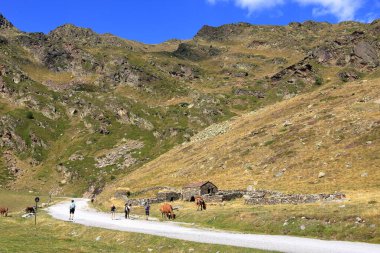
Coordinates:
<point>89,217</point>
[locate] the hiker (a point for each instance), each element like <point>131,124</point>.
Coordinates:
<point>127,210</point>
<point>72,210</point>
<point>113,210</point>
<point>147,209</point>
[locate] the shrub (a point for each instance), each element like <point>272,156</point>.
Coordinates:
<point>319,81</point>
<point>270,142</point>
<point>29,115</point>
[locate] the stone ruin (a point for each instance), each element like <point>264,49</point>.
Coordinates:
<point>250,196</point>
<point>265,197</point>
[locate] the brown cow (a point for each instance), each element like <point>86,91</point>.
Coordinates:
<point>167,210</point>
<point>30,209</point>
<point>201,204</point>
<point>4,211</point>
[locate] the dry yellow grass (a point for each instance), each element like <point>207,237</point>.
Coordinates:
<point>42,74</point>
<point>334,130</point>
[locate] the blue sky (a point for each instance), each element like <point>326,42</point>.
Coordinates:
<point>154,21</point>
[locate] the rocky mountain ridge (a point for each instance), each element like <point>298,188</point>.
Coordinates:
<point>71,100</point>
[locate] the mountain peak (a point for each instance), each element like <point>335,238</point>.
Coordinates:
<point>5,23</point>
<point>69,27</point>
<point>222,32</point>
<point>72,31</point>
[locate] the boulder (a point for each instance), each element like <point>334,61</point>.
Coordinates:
<point>348,75</point>
<point>367,53</point>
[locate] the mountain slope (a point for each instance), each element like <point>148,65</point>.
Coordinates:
<point>334,130</point>
<point>79,110</point>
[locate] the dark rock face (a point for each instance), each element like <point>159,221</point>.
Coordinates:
<point>315,26</point>
<point>120,71</point>
<point>302,70</point>
<point>194,52</point>
<point>8,137</point>
<point>366,53</point>
<point>309,25</point>
<point>184,71</point>
<point>295,24</point>
<point>221,33</point>
<point>375,25</point>
<point>71,33</point>
<point>349,75</point>
<point>32,39</point>
<point>322,55</point>
<point>3,40</point>
<point>56,58</point>
<point>57,55</point>
<point>4,23</point>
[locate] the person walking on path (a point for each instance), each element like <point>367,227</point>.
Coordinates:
<point>113,211</point>
<point>72,210</point>
<point>147,209</point>
<point>127,210</point>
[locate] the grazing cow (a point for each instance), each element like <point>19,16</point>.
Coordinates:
<point>30,209</point>
<point>201,204</point>
<point>4,211</point>
<point>167,210</point>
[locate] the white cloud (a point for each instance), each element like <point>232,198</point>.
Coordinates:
<point>215,1</point>
<point>369,17</point>
<point>254,5</point>
<point>342,9</point>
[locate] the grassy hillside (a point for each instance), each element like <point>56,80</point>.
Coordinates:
<point>334,130</point>
<point>80,110</point>
<point>320,142</point>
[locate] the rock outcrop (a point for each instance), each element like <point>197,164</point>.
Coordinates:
<point>4,23</point>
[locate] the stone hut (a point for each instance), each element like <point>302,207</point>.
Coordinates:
<point>191,191</point>
<point>166,195</point>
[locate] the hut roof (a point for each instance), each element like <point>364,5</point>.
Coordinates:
<point>197,184</point>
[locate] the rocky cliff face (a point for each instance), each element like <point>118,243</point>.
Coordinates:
<point>4,23</point>
<point>72,98</point>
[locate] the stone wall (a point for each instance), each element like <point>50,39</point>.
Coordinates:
<point>187,193</point>
<point>141,202</point>
<point>161,198</point>
<point>223,196</point>
<point>264,197</point>
<point>169,196</point>
<point>124,194</point>
<point>254,197</point>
